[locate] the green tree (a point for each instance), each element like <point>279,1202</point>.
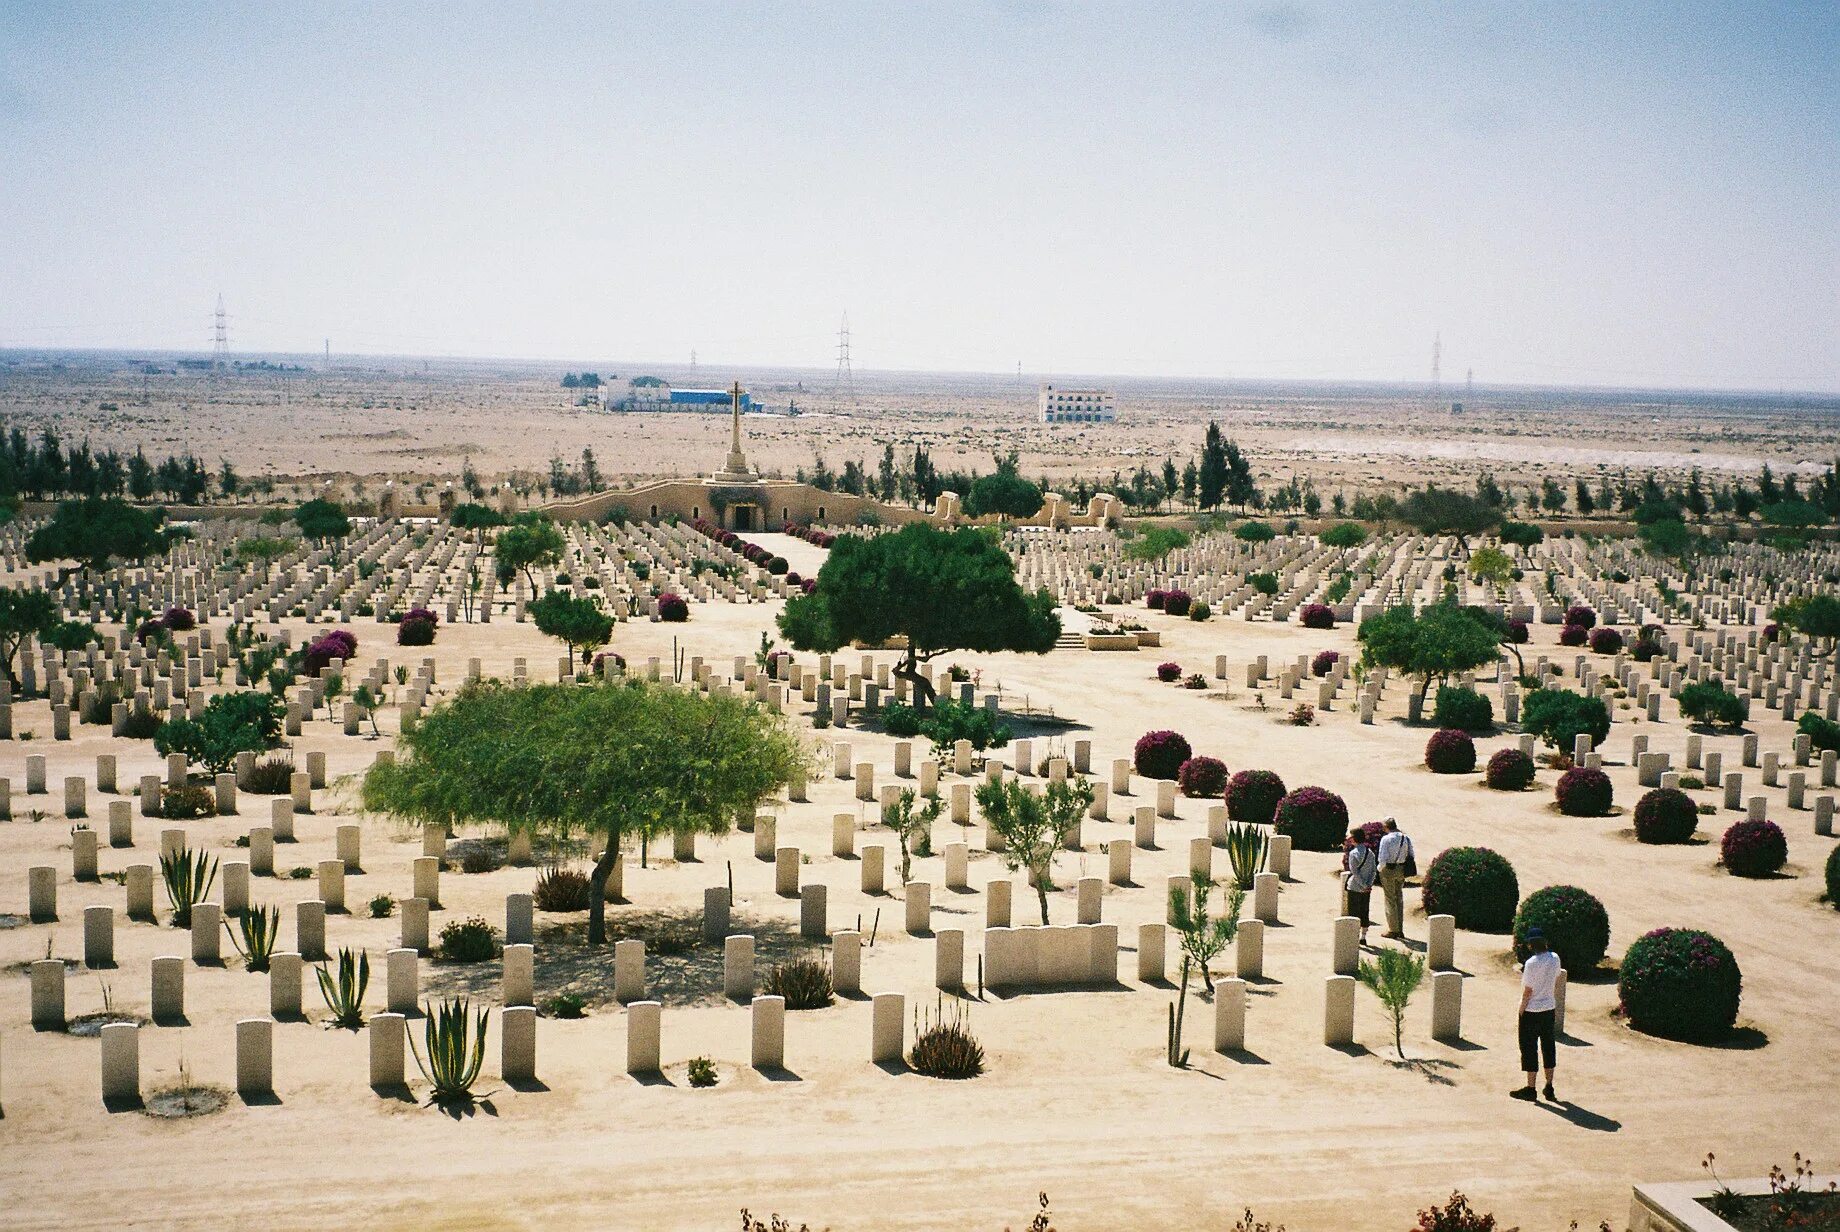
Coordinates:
<point>1345,535</point>
<point>93,532</point>
<point>23,614</point>
<point>528,545</point>
<point>1444,511</point>
<point>1004,492</point>
<point>911,817</point>
<point>1156,543</point>
<point>626,760</point>
<point>576,622</point>
<point>1203,937</point>
<point>1033,827</point>
<point>941,590</point>
<point>1394,975</point>
<point>1490,565</point>
<point>1815,616</point>
<point>1521,534</point>
<point>471,515</point>
<point>1442,641</point>
<point>232,723</point>
<point>1211,478</point>
<point>322,519</point>
<point>1559,716</point>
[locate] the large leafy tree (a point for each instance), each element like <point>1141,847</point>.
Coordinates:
<point>23,614</point>
<point>1445,511</point>
<point>93,532</point>
<point>941,590</point>
<point>1004,491</point>
<point>1430,646</point>
<point>322,519</point>
<point>1815,616</point>
<point>232,723</point>
<point>532,543</point>
<point>574,621</point>
<point>619,760</point>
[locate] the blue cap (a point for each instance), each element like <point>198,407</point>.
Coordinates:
<point>1536,933</point>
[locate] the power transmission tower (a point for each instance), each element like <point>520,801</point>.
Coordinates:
<point>220,339</point>
<point>846,377</point>
<point>1437,355</point>
<point>1469,385</point>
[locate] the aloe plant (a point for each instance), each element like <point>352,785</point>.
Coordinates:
<point>189,876</point>
<point>344,993</point>
<point>1246,849</point>
<point>456,1046</point>
<point>260,927</point>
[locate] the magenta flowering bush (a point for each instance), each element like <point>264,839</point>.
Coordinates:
<point>1606,641</point>
<point>1509,770</point>
<point>1176,602</point>
<point>673,609</point>
<point>1155,599</point>
<point>1201,777</point>
<point>1666,815</point>
<point>609,656</point>
<point>1584,792</point>
<point>1314,817</point>
<point>1450,752</point>
<point>1160,754</point>
<point>1316,616</point>
<point>179,619</point>
<point>416,627</point>
<point>1474,884</point>
<point>1167,672</point>
<point>1754,849</point>
<point>1518,632</point>
<point>1573,635</point>
<point>1580,615</point>
<point>1680,983</point>
<point>337,644</point>
<point>1324,662</point>
<point>1253,795</point>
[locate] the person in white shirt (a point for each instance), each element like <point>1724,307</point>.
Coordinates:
<point>1539,1001</point>
<point>1395,850</point>
<point>1359,869</point>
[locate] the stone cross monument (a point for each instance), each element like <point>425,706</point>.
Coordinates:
<point>736,469</point>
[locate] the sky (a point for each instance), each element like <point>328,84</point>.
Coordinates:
<point>1607,194</point>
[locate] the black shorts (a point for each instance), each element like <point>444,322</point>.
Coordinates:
<point>1537,1039</point>
<point>1358,905</point>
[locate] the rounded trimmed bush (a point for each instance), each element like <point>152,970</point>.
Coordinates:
<point>338,644</point>
<point>1253,795</point>
<point>1167,672</point>
<point>1450,752</point>
<point>1316,819</point>
<point>1606,641</point>
<point>1200,612</point>
<point>1324,662</point>
<point>1580,615</point>
<point>1202,777</point>
<point>1666,815</point>
<point>417,627</point>
<point>1833,877</point>
<point>1576,926</point>
<point>1154,600</point>
<point>1463,709</point>
<point>1680,983</point>
<point>1753,849</point>
<point>1518,632</point>
<point>673,609</point>
<point>1574,635</point>
<point>777,565</point>
<point>1474,884</point>
<point>1509,770</point>
<point>1584,792</point>
<point>1176,603</point>
<point>1316,616</point>
<point>1160,754</point>
<point>179,619</point>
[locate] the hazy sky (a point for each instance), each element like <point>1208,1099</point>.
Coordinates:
<point>1606,193</point>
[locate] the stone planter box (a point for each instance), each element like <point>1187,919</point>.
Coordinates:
<point>1148,637</point>
<point>1111,641</point>
<point>1673,1206</point>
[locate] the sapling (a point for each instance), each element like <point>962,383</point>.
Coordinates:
<point>1203,937</point>
<point>911,817</point>
<point>1394,975</point>
<point>1032,826</point>
<point>368,702</point>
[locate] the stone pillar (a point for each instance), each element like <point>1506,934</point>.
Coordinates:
<point>1143,830</point>
<point>1734,790</point>
<point>958,866</point>
<point>348,843</point>
<point>1118,857</point>
<point>332,884</point>
<point>1229,1015</point>
<point>888,1029</point>
<point>519,973</point>
<point>715,913</point>
<point>1091,893</point>
<point>121,1063</point>
<point>224,786</point>
<point>284,984</point>
<point>1201,857</point>
<point>434,841</point>
<point>300,791</point>
<point>1121,776</point>
<point>949,959</point>
<point>150,795</point>
<point>387,1034</point>
<point>1441,945</point>
<point>1447,1005</point>
<point>997,903</point>
<point>629,971</point>
<point>1152,953</point>
<point>520,921</point>
<point>1559,987</point>
<point>766,832</point>
<point>865,780</point>
<point>428,880</point>
<point>919,907</point>
<point>872,868</point>
<point>207,934</point>
<point>281,819</point>
<point>1278,856</point>
<point>139,884</point>
<point>1166,798</point>
<point>76,797</point>
<point>1347,945</point>
<point>643,1023</point>
<point>1265,897</point>
<point>738,967</point>
<point>1249,950</point>
<point>846,962</point>
<point>48,994</point>
<point>105,773</point>
<point>402,981</point>
<point>518,1044</point>
<point>843,836</point>
<point>814,912</point>
<point>99,937</point>
<point>415,924</point>
<point>310,930</point>
<point>1338,1011</point>
<point>255,1058</point>
<point>121,823</point>
<point>83,854</point>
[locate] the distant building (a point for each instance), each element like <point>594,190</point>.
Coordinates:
<point>1062,405</point>
<point>652,394</point>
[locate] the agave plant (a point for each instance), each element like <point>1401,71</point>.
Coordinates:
<point>456,1044</point>
<point>260,927</point>
<point>189,876</point>
<point>1246,848</point>
<point>344,993</point>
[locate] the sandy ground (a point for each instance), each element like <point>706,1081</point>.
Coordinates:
<point>1077,1101</point>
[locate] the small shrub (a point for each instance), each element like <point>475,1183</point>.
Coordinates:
<point>561,889</point>
<point>900,720</point>
<point>1324,662</point>
<point>468,941</point>
<point>1450,752</point>
<point>673,609</point>
<point>1202,777</point>
<point>805,983</point>
<point>1177,602</point>
<point>1316,819</point>
<point>479,859</point>
<point>1302,715</point>
<point>1194,680</point>
<point>1510,770</point>
<point>1712,705</point>
<point>337,644</point>
<point>1580,616</point>
<point>1254,532</point>
<point>141,724</point>
<point>1474,884</point>
<point>1821,732</point>
<point>1666,815</point>
<point>417,628</point>
<point>1753,849</point>
<point>1316,616</point>
<point>1584,792</point>
<point>272,776</point>
<point>1253,796</point>
<point>1606,641</point>
<point>1154,599</point>
<point>945,1048</point>
<point>1454,1216</point>
<point>1263,583</point>
<point>1574,635</point>
<point>185,802</point>
<point>1559,716</point>
<point>1160,754</point>
<point>1680,983</point>
<point>1344,535</point>
<point>1518,632</point>
<point>1463,709</point>
<point>565,1005</point>
<point>1833,877</point>
<point>382,906</point>
<point>702,1072</point>
<point>1168,672</point>
<point>1200,612</point>
<point>179,620</point>
<point>1575,924</point>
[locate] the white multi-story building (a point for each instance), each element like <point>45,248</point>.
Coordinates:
<point>1061,405</point>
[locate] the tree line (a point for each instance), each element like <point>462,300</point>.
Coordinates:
<point>48,469</point>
